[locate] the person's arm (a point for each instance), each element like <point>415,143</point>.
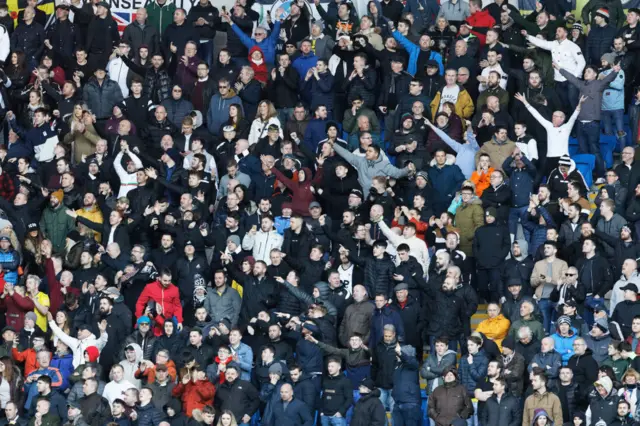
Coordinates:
<point>348,156</point>
<point>396,240</point>
<point>245,39</point>
<point>456,146</point>
<point>410,47</point>
<point>572,78</point>
<point>43,307</point>
<point>275,33</point>
<point>542,44</point>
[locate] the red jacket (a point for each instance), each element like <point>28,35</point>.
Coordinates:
<point>56,297</point>
<point>16,307</point>
<point>194,396</point>
<point>302,195</point>
<point>481,21</point>
<point>168,298</point>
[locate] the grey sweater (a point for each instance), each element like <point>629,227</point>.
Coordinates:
<point>591,108</point>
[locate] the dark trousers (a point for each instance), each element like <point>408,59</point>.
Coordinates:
<point>489,284</point>
<point>589,143</point>
<point>406,415</point>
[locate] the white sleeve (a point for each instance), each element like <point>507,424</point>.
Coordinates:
<point>532,148</point>
<point>5,45</point>
<point>135,159</point>
<point>396,240</point>
<point>542,44</point>
<point>579,58</point>
<point>122,173</point>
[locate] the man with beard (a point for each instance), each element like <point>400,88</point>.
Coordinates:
<point>445,314</point>
<point>115,328</point>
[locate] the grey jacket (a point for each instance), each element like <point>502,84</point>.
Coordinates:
<point>101,100</point>
<point>226,305</point>
<point>367,170</point>
<point>592,107</point>
<point>433,368</point>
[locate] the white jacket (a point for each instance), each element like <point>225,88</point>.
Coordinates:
<point>567,54</point>
<point>262,243</point>
<point>259,129</point>
<point>114,390</point>
<point>78,346</point>
<point>118,72</point>
<point>128,180</point>
<point>557,137</point>
<point>417,247</point>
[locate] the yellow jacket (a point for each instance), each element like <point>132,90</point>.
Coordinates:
<point>464,105</point>
<point>94,215</point>
<point>495,329</point>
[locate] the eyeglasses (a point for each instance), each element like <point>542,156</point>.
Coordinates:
<point>223,87</point>
<point>177,90</point>
<point>144,324</point>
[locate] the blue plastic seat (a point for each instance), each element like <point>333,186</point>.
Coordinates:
<point>573,146</point>
<point>585,163</point>
<point>607,145</point>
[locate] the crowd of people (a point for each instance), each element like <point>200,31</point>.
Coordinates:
<point>297,228</point>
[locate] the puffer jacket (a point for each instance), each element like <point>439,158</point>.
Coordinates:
<point>147,343</point>
<point>469,217</point>
<point>470,374</point>
<point>157,85</point>
<point>433,368</point>
<point>102,98</point>
<point>369,411</point>
<point>9,261</point>
<point>449,402</point>
<point>177,110</point>
<point>56,224</point>
<point>495,329</point>
<point>564,344</point>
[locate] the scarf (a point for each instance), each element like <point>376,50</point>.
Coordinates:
<point>506,359</point>
<point>225,362</point>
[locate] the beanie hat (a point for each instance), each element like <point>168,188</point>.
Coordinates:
<point>604,12</point>
<point>602,324</point>
<point>31,315</point>
<point>565,160</point>
<point>564,319</point>
<point>509,342</point>
<point>234,239</point>
<point>610,58</point>
<point>58,195</point>
<point>275,368</point>
<point>423,175</point>
<point>578,26</point>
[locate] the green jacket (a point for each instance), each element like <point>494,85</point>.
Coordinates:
<point>619,366</point>
<point>534,325</point>
<point>56,224</point>
<point>160,17</point>
<point>47,420</point>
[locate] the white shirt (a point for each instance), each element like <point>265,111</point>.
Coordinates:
<point>557,137</point>
<point>346,278</point>
<point>449,94</point>
<point>567,54</point>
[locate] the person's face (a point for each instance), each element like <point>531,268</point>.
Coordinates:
<point>589,74</point>
<point>440,157</point>
<point>588,247</point>
<point>450,77</point>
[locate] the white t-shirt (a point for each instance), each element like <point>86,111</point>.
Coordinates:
<point>346,278</point>
<point>449,94</point>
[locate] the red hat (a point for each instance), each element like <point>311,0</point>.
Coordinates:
<point>93,353</point>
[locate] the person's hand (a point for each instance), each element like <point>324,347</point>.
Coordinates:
<point>523,32</point>
<point>47,43</point>
<point>337,415</point>
<point>516,152</point>
<point>71,213</point>
<point>180,326</point>
<point>521,98</point>
<point>397,212</point>
<point>10,115</point>
<point>49,316</point>
<point>322,219</point>
<point>173,48</point>
<point>583,99</point>
<point>596,296</point>
<point>353,74</point>
<point>185,60</point>
<point>102,326</point>
<point>383,109</point>
<point>470,359</point>
<point>186,378</point>
<point>398,349</point>
<point>556,65</point>
<point>320,160</point>
<point>279,279</point>
<point>159,309</point>
<point>151,173</point>
<point>310,338</point>
<point>616,68</point>
<point>398,277</point>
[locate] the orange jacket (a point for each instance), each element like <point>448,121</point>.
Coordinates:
<point>481,181</point>
<point>495,329</point>
<point>28,356</point>
<point>194,396</point>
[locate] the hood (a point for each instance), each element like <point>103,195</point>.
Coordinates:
<point>307,176</point>
<point>323,288</point>
<point>606,383</point>
<point>93,353</point>
<point>524,249</point>
<point>540,412</point>
<point>255,49</point>
<point>230,93</point>
<point>138,350</point>
<point>451,160</point>
<point>197,119</point>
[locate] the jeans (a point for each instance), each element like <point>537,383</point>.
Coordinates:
<point>614,118</point>
<point>406,415</point>
<point>473,419</point>
<point>547,308</point>
<point>589,143</point>
<point>205,51</point>
<point>514,220</point>
<point>386,399</point>
<point>283,115</point>
<point>333,421</point>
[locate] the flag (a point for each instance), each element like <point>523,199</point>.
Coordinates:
<point>123,19</point>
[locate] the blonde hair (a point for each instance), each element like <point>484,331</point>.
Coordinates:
<point>233,418</point>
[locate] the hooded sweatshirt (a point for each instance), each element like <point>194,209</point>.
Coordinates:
<point>259,67</point>
<point>130,368</point>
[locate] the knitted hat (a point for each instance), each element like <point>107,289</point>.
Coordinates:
<point>275,368</point>
<point>31,315</point>
<point>578,26</point>
<point>604,12</point>
<point>565,160</point>
<point>609,58</point>
<point>564,320</point>
<point>602,324</point>
<point>509,342</point>
<point>423,175</point>
<point>234,239</point>
<point>491,211</point>
<point>58,195</point>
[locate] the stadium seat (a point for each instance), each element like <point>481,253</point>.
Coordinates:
<point>585,163</point>
<point>573,146</point>
<point>607,145</point>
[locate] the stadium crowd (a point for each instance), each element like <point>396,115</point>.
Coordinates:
<point>298,228</point>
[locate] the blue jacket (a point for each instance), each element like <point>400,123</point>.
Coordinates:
<point>315,132</point>
<point>250,165</point>
<point>282,224</point>
<point>219,110</point>
<point>320,92</point>
<point>10,260</point>
<point>414,52</point>
<point>465,152</point>
<point>538,232</point>
<point>406,383</point>
<point>446,181</point>
<point>302,64</point>
<point>564,345</point>
<point>245,360</point>
<point>268,45</point>
<point>262,185</point>
<point>382,317</point>
<point>470,374</point>
<point>613,96</point>
<point>549,362</point>
<point>520,181</point>
<point>65,366</point>
<point>32,390</point>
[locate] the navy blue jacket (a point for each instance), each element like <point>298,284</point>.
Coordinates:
<point>320,92</point>
<point>296,414</point>
<point>315,132</point>
<point>446,181</point>
<point>382,317</point>
<point>520,181</point>
<point>470,374</point>
<point>406,383</point>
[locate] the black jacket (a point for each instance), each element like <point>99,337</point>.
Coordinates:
<point>446,311</point>
<point>337,395</point>
<point>595,275</point>
<point>283,90</point>
<point>102,36</point>
<point>210,14</point>
<point>491,245</point>
<point>378,274</point>
<point>604,409</point>
<point>383,365</point>
<point>258,294</point>
<point>239,397</point>
<point>304,390</point>
<point>137,36</point>
<point>504,413</point>
<point>585,369</point>
<point>369,411</point>
<point>28,39</point>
